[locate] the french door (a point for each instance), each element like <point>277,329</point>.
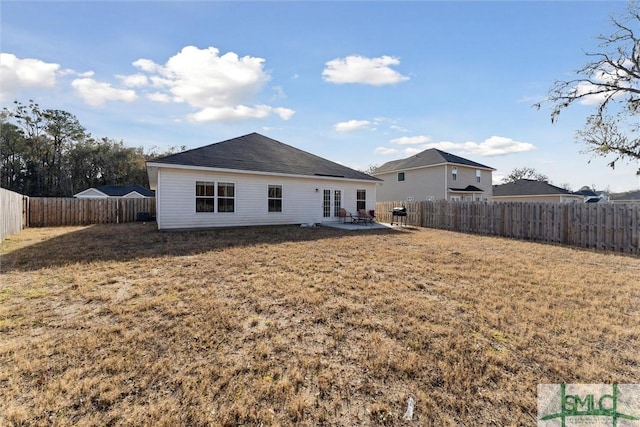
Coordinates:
<point>331,203</point>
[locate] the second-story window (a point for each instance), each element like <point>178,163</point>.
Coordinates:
<point>478,175</point>
<point>454,174</point>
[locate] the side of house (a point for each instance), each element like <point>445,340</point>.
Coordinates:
<point>434,175</point>
<point>254,180</point>
<point>214,198</point>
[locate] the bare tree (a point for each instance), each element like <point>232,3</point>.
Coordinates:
<point>611,82</point>
<point>524,173</point>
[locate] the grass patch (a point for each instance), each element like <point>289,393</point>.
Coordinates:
<point>124,325</point>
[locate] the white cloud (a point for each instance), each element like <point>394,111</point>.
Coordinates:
<point>385,151</point>
<point>411,140</point>
<point>239,112</point>
<point>351,125</point>
<point>493,146</point>
<point>219,86</point>
<point>359,69</point>
<point>159,97</point>
<point>398,128</point>
<point>147,65</point>
<point>134,80</point>
<point>97,93</point>
<point>17,73</point>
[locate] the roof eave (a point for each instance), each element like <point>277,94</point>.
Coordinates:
<point>251,172</point>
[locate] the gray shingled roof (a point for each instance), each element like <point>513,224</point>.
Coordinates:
<point>429,157</point>
<point>527,187</point>
<point>255,152</point>
<point>629,195</point>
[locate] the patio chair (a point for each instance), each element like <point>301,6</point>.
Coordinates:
<point>345,216</point>
<point>365,216</point>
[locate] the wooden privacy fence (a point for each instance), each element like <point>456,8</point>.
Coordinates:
<point>58,211</point>
<point>604,227</point>
<point>13,213</point>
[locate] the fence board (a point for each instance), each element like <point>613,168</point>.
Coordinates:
<point>12,212</point>
<point>603,227</point>
<point>57,211</point>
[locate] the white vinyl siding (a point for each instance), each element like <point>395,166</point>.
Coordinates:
<point>301,198</point>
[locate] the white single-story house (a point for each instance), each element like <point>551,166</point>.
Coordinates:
<point>254,180</point>
<point>106,191</point>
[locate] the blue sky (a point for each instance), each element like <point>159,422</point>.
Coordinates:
<point>359,83</point>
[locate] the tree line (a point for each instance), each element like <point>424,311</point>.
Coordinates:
<point>48,153</point>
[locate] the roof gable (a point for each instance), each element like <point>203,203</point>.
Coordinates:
<point>258,153</point>
<point>527,187</point>
<point>91,193</point>
<point>123,190</point>
<point>429,157</point>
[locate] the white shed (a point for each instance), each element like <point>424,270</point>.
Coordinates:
<point>254,180</point>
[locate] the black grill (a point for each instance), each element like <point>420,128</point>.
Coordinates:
<point>399,215</point>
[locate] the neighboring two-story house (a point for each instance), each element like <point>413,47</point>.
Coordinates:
<point>434,175</point>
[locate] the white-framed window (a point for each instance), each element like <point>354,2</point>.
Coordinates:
<point>215,196</point>
<point>205,196</point>
<point>337,202</point>
<point>361,199</point>
<point>455,198</point>
<point>400,176</point>
<point>226,197</point>
<point>454,173</point>
<point>274,198</point>
<point>478,175</point>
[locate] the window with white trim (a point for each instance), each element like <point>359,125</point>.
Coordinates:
<point>274,198</point>
<point>205,197</point>
<point>478,175</point>
<point>400,176</point>
<point>454,173</point>
<point>226,197</point>
<point>361,199</point>
<point>337,202</point>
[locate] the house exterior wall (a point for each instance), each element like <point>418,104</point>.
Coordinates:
<point>431,183</point>
<point>301,203</point>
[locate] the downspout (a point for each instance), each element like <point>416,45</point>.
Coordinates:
<point>445,182</point>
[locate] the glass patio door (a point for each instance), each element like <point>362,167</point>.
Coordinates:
<point>331,203</point>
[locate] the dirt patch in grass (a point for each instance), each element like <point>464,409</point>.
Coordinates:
<point>124,325</point>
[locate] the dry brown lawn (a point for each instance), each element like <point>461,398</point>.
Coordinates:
<point>124,325</point>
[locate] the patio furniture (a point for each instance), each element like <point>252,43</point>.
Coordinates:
<point>346,216</point>
<point>365,216</point>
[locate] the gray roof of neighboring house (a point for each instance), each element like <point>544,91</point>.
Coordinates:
<point>629,195</point>
<point>255,152</point>
<point>528,187</point>
<point>471,188</point>
<point>586,193</point>
<point>123,190</point>
<point>429,157</point>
